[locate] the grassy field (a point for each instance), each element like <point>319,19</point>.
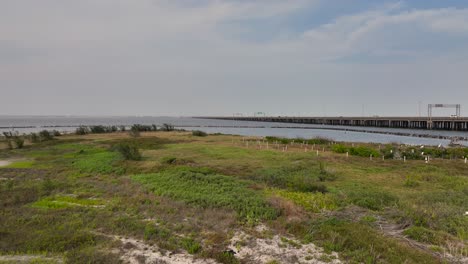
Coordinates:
<point>78,199</point>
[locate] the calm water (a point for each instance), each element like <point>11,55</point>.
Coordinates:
<point>62,123</point>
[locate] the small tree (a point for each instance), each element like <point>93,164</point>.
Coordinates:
<point>167,127</point>
<point>34,138</point>
<point>82,130</point>
<point>134,132</point>
<point>19,141</point>
<point>129,152</point>
<point>45,135</point>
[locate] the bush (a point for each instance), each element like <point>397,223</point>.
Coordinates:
<point>45,135</point>
<point>363,152</point>
<point>19,141</point>
<point>167,127</point>
<point>82,130</point>
<point>198,133</point>
<point>34,138</point>
<point>143,128</point>
<point>98,129</point>
<point>340,148</point>
<point>299,180</point>
<point>168,160</point>
<point>424,235</point>
<point>56,133</point>
<point>129,152</point>
<point>192,246</point>
<point>373,200</point>
<point>134,133</point>
<point>410,182</point>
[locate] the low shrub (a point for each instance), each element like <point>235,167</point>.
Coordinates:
<point>210,190</point>
<point>300,180</point>
<point>424,235</point>
<point>82,130</point>
<point>372,199</point>
<point>19,141</point>
<point>128,151</point>
<point>192,246</point>
<point>339,148</point>
<point>168,160</point>
<point>198,133</point>
<point>45,135</point>
<point>410,182</point>
<point>314,202</point>
<point>34,138</point>
<point>363,151</point>
<point>134,133</point>
<point>167,127</point>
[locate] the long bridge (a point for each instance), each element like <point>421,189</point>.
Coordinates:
<point>437,123</point>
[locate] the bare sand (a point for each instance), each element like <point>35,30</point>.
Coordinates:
<point>4,163</point>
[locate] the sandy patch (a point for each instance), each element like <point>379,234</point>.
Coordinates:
<point>4,163</point>
<point>136,252</point>
<point>281,249</point>
<point>29,259</point>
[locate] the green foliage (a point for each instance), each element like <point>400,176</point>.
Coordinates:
<point>192,246</point>
<point>128,151</point>
<point>339,148</point>
<point>359,243</point>
<point>410,182</point>
<point>102,162</point>
<point>294,179</point>
<point>168,160</point>
<point>226,258</point>
<point>199,133</point>
<point>361,151</point>
<point>23,164</point>
<point>314,202</point>
<point>440,210</point>
<point>424,235</point>
<point>372,198</point>
<point>208,190</point>
<point>153,232</point>
<point>48,186</point>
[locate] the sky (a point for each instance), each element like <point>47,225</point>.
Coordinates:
<point>225,57</point>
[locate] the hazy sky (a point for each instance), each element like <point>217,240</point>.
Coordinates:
<point>219,57</point>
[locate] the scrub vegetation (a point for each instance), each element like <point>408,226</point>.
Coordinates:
<point>79,198</point>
